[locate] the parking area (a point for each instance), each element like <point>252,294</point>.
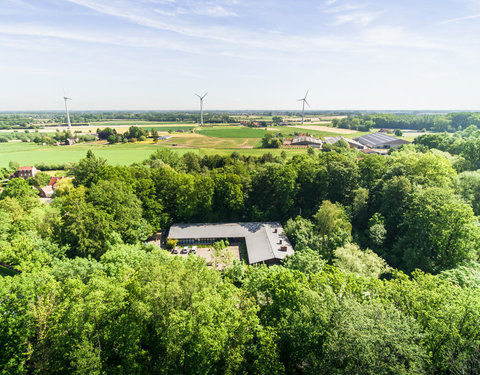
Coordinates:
<point>205,252</point>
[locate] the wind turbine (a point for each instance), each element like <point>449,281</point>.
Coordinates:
<point>66,109</point>
<point>304,100</point>
<point>201,107</point>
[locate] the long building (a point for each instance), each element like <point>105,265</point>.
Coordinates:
<point>351,142</point>
<point>380,140</point>
<point>305,140</point>
<point>265,242</point>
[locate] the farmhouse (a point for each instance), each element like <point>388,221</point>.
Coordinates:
<point>71,141</point>
<point>46,192</point>
<point>351,142</point>
<point>379,140</point>
<point>305,140</point>
<point>25,172</point>
<point>265,242</point>
<point>53,181</point>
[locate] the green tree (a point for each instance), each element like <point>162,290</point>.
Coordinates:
<point>371,338</point>
<point>274,191</point>
<point>88,170</point>
<point>41,179</point>
<point>467,185</point>
<point>19,189</point>
<point>439,232</point>
<point>350,258</point>
<point>306,261</point>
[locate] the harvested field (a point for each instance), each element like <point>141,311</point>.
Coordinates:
<point>201,141</point>
<point>325,129</point>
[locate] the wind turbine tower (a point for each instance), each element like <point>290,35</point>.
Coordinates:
<point>304,101</point>
<point>68,113</point>
<point>201,107</point>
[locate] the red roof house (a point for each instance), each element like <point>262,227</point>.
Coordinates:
<point>25,172</point>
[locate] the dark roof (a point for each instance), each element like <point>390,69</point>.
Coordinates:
<point>262,239</point>
<point>377,140</point>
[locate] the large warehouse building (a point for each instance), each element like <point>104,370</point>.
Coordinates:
<point>265,242</point>
<point>380,140</point>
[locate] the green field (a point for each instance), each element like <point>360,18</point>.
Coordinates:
<point>232,132</point>
<point>221,140</point>
<point>121,154</point>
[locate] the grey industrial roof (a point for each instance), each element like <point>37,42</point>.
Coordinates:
<point>376,140</point>
<point>263,244</point>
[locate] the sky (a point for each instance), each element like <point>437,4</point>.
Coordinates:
<point>247,54</point>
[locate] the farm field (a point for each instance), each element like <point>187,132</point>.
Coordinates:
<point>194,140</point>
<point>328,132</point>
<point>232,132</point>
<point>205,141</point>
<point>119,154</point>
<point>30,154</point>
<point>325,129</point>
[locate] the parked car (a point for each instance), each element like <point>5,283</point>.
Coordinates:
<point>193,250</point>
<point>175,250</point>
<point>184,250</point>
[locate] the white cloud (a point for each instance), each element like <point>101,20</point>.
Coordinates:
<point>348,7</point>
<point>215,11</point>
<point>459,19</point>
<point>398,37</point>
<point>358,18</point>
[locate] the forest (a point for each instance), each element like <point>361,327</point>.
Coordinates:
<point>451,122</point>
<point>385,278</point>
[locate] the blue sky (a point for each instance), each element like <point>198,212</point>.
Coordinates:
<point>154,54</point>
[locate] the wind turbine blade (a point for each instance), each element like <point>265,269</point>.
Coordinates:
<point>306,102</point>
<point>205,95</point>
<point>199,96</point>
<point>306,94</point>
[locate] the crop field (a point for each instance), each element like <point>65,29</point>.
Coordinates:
<point>202,141</point>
